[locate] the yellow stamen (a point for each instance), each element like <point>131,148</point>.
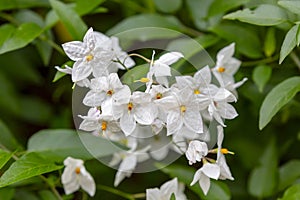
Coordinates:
<point>225,151</point>
<point>77,170</point>
<point>158,96</point>
<point>130,106</point>
<point>89,57</point>
<point>143,80</point>
<point>196,92</point>
<point>104,125</point>
<point>221,69</point>
<point>182,109</point>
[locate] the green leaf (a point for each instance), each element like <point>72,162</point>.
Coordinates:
<point>18,4</point>
<point>199,12</point>
<point>47,195</point>
<point>7,139</point>
<point>24,34</point>
<point>130,77</point>
<point>288,174</point>
<point>7,193</point>
<point>168,6</point>
<point>289,42</point>
<point>293,6</point>
<point>218,190</point>
<point>292,193</point>
<point>83,7</point>
<point>220,6</point>
<point>70,19</point>
<point>263,179</point>
<point>279,96</point>
<point>261,75</point>
<point>58,144</point>
<point>146,20</point>
<point>6,30</point>
<point>270,42</point>
<point>4,157</point>
<point>29,165</point>
<point>24,194</point>
<point>248,45</point>
<point>263,15</point>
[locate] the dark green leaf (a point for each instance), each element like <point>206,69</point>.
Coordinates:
<point>47,195</point>
<point>58,144</point>
<point>263,15</point>
<point>7,193</point>
<point>292,193</point>
<point>7,139</point>
<point>168,6</point>
<point>261,75</point>
<point>29,165</point>
<point>248,45</point>
<point>279,96</point>
<point>289,42</point>
<point>264,178</point>
<point>220,6</point>
<point>130,77</point>
<point>17,4</point>
<point>288,174</point>
<point>293,6</point>
<point>4,157</point>
<point>24,194</point>
<point>70,19</point>
<point>218,190</point>
<point>24,34</point>
<point>270,42</point>
<point>83,7</point>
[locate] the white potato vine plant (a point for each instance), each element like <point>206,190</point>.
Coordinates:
<point>177,113</point>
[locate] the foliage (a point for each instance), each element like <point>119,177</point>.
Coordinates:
<point>264,137</point>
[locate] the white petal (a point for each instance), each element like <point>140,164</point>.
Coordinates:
<point>220,135</point>
<point>225,171</point>
<point>127,123</point>
<point>66,70</point>
<point>226,53</point>
<point>122,96</point>
<point>114,81</point>
<point>73,161</point>
<point>120,177</point>
<point>71,187</point>
<point>81,70</point>
<point>161,69</point>
<point>145,114</point>
<point>89,39</point>
<point>162,80</point>
<point>89,125</point>
<point>68,175</point>
<point>192,120</point>
<point>87,183</point>
<point>204,183</point>
<point>168,188</point>
<point>94,99</point>
<point>185,81</point>
<point>170,58</point>
<point>203,76</point>
<point>211,170</point>
<point>75,50</point>
<point>153,194</point>
<point>197,176</point>
<point>227,111</point>
<point>174,122</point>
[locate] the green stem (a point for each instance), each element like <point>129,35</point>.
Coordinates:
<point>115,191</point>
<point>139,196</point>
<point>140,56</point>
<point>262,61</point>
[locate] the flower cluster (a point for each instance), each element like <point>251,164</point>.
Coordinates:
<point>176,114</point>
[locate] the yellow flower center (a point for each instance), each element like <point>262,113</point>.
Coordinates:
<point>196,92</point>
<point>129,106</point>
<point>182,109</point>
<point>77,170</point>
<point>221,69</point>
<point>225,151</point>
<point>89,57</point>
<point>104,125</point>
<point>109,92</point>
<point>158,96</point>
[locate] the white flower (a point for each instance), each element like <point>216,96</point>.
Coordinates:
<point>107,88</point>
<point>166,190</point>
<point>204,174</point>
<point>76,176</point>
<point>90,56</point>
<point>196,151</point>
<point>128,161</point>
<point>182,110</point>
<point>226,65</point>
<point>138,108</point>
